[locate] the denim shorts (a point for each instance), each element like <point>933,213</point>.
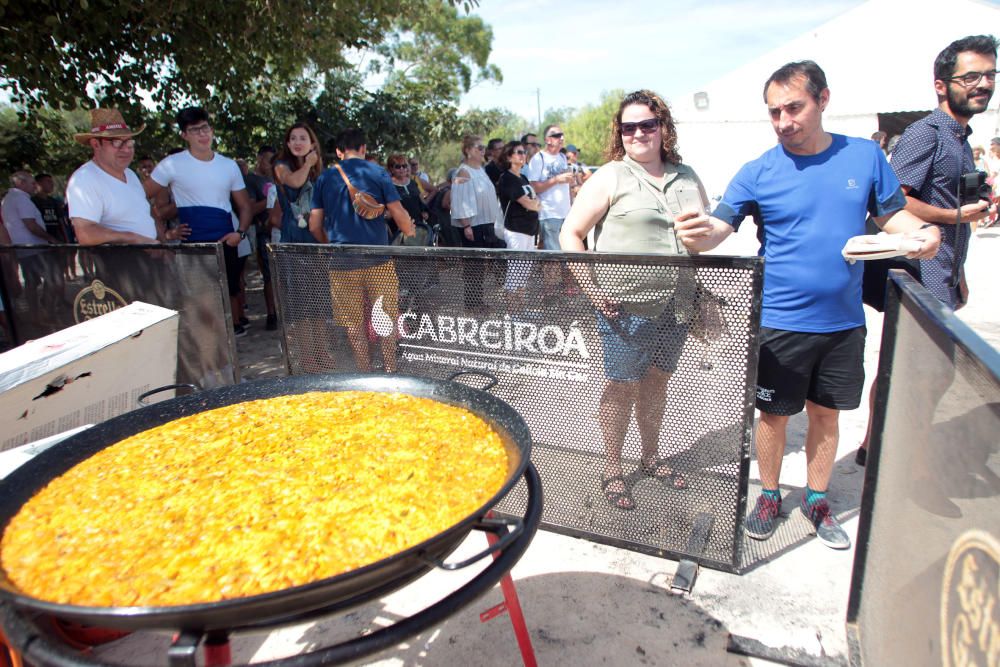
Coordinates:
<point>632,344</point>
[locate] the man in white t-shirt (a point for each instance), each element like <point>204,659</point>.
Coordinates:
<point>205,186</point>
<point>26,225</point>
<point>551,177</point>
<point>23,219</point>
<point>106,200</point>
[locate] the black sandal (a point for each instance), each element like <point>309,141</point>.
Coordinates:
<point>660,470</point>
<point>615,498</point>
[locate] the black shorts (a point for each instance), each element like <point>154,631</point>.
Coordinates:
<point>234,267</point>
<point>825,368</point>
<point>263,238</point>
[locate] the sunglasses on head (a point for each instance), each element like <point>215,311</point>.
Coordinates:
<point>647,126</point>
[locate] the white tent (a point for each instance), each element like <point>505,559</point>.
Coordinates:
<point>879,63</point>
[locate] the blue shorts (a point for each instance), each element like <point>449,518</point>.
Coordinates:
<point>632,344</point>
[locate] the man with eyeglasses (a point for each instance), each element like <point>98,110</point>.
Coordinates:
<point>205,185</point>
<point>106,200</point>
<point>550,176</point>
<point>934,152</point>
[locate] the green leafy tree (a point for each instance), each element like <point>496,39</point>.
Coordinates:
<point>590,126</point>
<point>44,145</point>
<point>178,51</point>
<point>257,66</point>
<point>557,116</point>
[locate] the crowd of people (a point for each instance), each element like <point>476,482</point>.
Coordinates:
<point>526,194</point>
<point>194,194</point>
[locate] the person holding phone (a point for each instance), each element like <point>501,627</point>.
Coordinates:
<point>633,202</point>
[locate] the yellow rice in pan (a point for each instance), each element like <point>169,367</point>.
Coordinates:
<point>251,498</point>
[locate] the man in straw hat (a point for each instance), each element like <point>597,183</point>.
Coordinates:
<point>106,201</point>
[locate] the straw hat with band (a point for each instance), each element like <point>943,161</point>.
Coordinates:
<point>106,124</point>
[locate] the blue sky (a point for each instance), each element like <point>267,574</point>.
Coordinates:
<point>573,50</point>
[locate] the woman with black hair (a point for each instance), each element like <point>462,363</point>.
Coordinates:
<point>520,207</point>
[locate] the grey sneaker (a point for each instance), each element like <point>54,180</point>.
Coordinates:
<point>828,531</point>
<point>762,521</point>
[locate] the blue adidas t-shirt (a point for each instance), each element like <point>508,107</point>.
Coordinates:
<point>340,221</point>
<point>807,207</point>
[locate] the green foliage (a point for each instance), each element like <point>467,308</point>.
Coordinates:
<point>43,145</point>
<point>257,66</point>
<point>178,51</point>
<point>555,116</point>
<point>589,127</point>
<point>493,123</point>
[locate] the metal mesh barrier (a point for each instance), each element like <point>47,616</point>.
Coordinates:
<point>652,360</point>
<point>926,583</point>
<point>48,288</point>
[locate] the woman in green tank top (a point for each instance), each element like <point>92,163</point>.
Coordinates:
<point>632,203</point>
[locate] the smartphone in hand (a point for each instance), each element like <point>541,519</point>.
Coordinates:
<point>689,199</point>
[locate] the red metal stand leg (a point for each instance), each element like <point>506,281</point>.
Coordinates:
<point>217,651</point>
<point>513,605</point>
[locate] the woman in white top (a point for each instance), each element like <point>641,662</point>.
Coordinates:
<point>474,205</point>
<point>475,209</point>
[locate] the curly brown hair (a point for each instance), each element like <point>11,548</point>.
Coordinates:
<point>655,103</point>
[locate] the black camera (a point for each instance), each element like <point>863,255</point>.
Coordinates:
<point>972,187</point>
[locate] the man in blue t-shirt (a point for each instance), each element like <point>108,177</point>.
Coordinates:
<point>808,195</point>
<point>362,283</point>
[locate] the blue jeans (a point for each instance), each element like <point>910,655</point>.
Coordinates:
<point>550,228</point>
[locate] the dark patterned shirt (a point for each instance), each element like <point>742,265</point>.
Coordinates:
<point>930,157</point>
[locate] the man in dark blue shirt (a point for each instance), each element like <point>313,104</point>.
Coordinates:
<point>808,195</point>
<point>359,283</point>
<point>934,152</point>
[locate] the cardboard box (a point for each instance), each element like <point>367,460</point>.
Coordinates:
<point>87,373</point>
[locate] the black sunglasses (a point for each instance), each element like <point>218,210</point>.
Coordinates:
<point>399,166</point>
<point>518,151</point>
<point>556,135</point>
<point>647,126</point>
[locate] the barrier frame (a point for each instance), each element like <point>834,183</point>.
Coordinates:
<point>753,265</point>
<point>940,323</point>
